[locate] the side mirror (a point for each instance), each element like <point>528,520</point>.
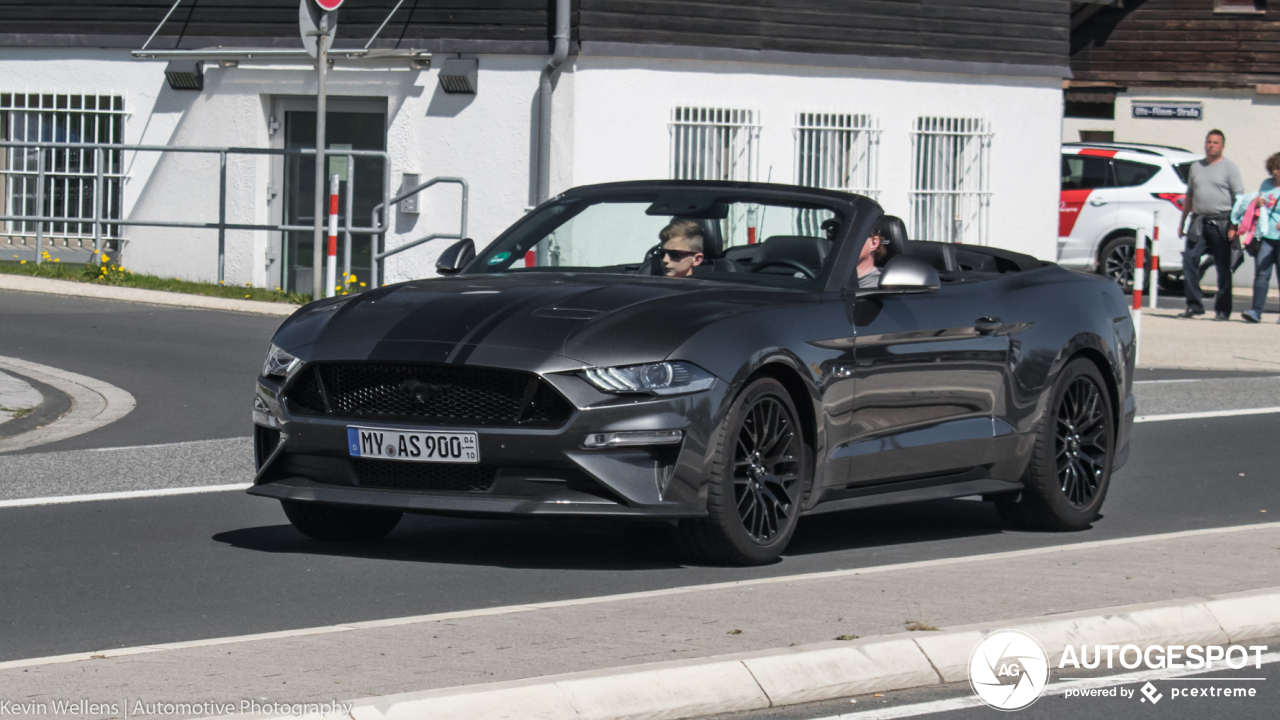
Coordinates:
<point>905,274</point>
<point>456,256</point>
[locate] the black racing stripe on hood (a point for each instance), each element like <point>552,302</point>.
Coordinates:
<point>476,337</point>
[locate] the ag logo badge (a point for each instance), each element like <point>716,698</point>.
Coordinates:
<point>1008,670</point>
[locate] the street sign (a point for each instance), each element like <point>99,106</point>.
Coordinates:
<point>329,5</point>
<point>1169,110</point>
<point>309,24</point>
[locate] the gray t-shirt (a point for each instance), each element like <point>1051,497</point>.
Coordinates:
<point>871,279</point>
<point>1214,188</point>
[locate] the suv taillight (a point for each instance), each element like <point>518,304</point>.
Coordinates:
<point>1175,198</point>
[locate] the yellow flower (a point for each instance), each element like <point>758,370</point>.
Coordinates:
<point>361,284</point>
<point>105,258</point>
<point>24,262</point>
<point>57,259</point>
<point>246,296</point>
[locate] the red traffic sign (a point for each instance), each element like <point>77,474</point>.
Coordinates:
<point>329,5</point>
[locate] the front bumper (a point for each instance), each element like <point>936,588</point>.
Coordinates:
<point>304,458</point>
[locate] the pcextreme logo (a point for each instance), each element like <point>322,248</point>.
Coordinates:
<point>1008,670</point>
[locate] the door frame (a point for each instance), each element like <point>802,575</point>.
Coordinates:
<point>281,104</point>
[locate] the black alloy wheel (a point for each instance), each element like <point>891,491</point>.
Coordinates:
<point>766,468</point>
<point>1081,443</point>
<point>1117,259</point>
<point>759,471</point>
<point>1069,470</point>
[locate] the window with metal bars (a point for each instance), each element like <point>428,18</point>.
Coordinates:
<point>714,144</point>
<point>950,184</point>
<point>838,151</point>
<point>70,174</point>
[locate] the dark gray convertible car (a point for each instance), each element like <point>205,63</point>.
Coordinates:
<point>560,371</point>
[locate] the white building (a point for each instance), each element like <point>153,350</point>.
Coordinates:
<point>949,114</point>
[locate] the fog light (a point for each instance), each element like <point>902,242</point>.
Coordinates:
<point>632,438</point>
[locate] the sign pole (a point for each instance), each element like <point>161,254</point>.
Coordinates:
<point>322,62</point>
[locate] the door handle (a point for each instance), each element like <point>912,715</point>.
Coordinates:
<point>986,325</point>
<point>1097,199</point>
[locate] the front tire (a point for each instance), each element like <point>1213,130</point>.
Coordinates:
<point>1116,260</point>
<point>1070,469</point>
<point>758,474</point>
<point>335,523</point>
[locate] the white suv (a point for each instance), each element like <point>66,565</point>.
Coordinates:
<point>1110,193</point>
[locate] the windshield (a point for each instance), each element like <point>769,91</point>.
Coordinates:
<point>674,234</point>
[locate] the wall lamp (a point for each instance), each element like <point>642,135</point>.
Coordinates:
<point>185,74</point>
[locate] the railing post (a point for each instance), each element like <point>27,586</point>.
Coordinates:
<point>40,205</point>
<point>222,215</point>
<point>346,227</point>
<point>97,203</point>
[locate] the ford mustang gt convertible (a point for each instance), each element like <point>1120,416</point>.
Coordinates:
<point>702,354</point>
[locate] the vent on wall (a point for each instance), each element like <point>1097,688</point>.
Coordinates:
<point>459,77</point>
<point>185,74</point>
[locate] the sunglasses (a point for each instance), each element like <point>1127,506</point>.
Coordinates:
<point>678,255</point>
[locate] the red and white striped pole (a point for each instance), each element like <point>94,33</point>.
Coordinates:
<point>1139,262</point>
<point>1155,263</point>
<point>331,260</point>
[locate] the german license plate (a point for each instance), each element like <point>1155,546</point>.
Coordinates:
<point>442,447</point>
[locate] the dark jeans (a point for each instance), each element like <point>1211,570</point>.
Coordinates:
<point>1262,264</point>
<point>1213,241</point>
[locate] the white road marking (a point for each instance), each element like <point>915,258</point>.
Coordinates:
<point>1187,380</point>
<point>161,445</point>
<point>122,495</point>
<point>1208,414</point>
<point>1058,688</point>
<point>533,607</point>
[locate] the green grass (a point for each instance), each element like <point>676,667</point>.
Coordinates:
<point>92,273</point>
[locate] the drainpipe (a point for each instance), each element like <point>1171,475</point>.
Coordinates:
<point>545,90</point>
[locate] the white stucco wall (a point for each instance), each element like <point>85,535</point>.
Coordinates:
<point>1249,120</point>
<point>611,123</point>
<point>623,107</point>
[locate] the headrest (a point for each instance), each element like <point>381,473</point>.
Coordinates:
<point>808,251</point>
<point>894,232</point>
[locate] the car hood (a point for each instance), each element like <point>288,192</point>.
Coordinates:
<point>584,319</point>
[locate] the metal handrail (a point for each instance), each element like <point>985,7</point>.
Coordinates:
<point>375,219</point>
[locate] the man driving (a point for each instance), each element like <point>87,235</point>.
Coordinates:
<point>869,259</point>
<point>681,249</point>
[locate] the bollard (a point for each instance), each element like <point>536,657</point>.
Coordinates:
<point>1155,257</point>
<point>1140,261</point>
<point>331,263</point>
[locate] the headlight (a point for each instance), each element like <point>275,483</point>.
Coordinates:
<point>278,363</point>
<point>664,378</point>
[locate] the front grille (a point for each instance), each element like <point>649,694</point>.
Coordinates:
<point>428,394</point>
<point>423,476</point>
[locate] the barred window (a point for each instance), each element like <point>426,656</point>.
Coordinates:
<point>838,151</point>
<point>950,196</point>
<point>714,144</point>
<point>69,173</point>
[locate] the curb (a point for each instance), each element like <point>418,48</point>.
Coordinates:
<point>825,671</point>
<point>94,403</point>
<point>49,286</point>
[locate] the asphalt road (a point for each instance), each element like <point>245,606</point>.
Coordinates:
<point>91,576</point>
<point>191,371</point>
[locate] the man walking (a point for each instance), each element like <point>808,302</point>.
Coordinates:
<point>1211,191</point>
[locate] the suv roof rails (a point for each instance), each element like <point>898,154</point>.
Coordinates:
<point>1137,147</point>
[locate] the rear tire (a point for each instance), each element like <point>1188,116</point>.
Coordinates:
<point>759,471</point>
<point>335,523</point>
<point>1116,260</point>
<point>1070,469</point>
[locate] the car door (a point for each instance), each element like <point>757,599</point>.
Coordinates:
<point>1084,205</point>
<point>929,370</point>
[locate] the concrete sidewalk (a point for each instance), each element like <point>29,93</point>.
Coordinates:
<point>1202,343</point>
<point>490,645</point>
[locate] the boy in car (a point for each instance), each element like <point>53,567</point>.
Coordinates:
<point>681,249</point>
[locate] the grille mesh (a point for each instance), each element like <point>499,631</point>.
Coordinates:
<point>430,394</point>
<point>424,476</point>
